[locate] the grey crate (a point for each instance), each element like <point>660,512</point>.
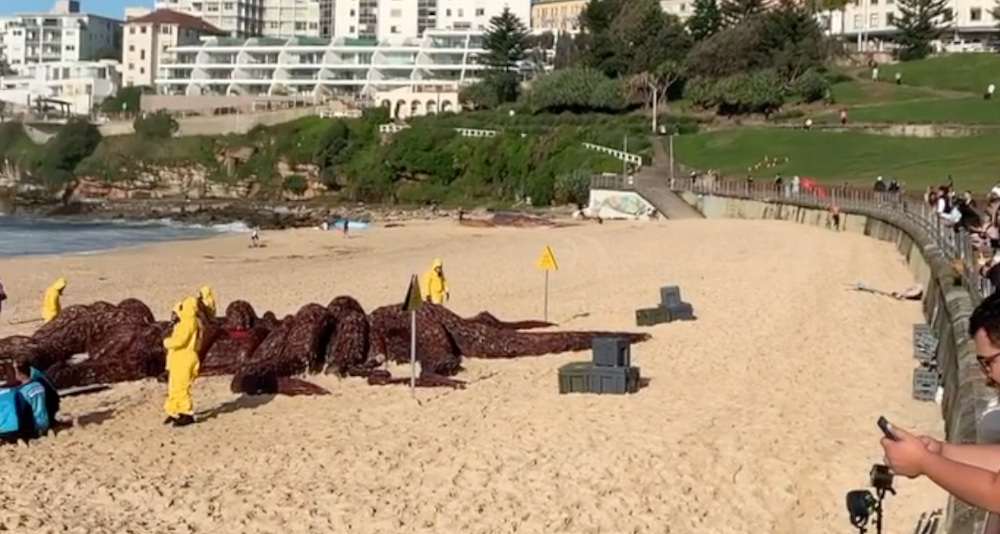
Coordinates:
<point>922,330</point>
<point>925,384</point>
<point>611,352</point>
<point>614,380</point>
<point>681,312</point>
<point>670,295</point>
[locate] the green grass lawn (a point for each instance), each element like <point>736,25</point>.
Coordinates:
<point>970,110</point>
<point>864,93</point>
<point>846,157</point>
<point>968,72</point>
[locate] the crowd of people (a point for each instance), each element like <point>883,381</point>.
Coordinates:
<point>982,225</point>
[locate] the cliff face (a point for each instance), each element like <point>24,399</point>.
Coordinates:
<point>194,182</point>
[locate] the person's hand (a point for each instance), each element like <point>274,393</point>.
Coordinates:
<point>933,446</point>
<point>906,456</point>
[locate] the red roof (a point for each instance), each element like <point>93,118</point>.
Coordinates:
<point>167,16</point>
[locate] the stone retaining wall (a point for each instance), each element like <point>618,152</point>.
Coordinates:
<point>947,307</point>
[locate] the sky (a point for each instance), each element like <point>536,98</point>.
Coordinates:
<point>107,8</point>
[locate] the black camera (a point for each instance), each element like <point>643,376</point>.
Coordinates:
<point>881,479</point>
<point>861,504</point>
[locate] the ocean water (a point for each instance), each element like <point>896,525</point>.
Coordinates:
<point>21,236</point>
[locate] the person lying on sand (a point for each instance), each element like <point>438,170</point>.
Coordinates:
<point>24,410</point>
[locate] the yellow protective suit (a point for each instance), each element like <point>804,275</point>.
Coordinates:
<point>433,285</point>
<point>50,303</point>
<point>182,359</point>
<point>207,299</point>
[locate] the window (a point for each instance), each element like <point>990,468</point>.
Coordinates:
<point>228,6</point>
<point>447,12</point>
<point>976,14</point>
<point>874,2</point>
<point>142,30</point>
<point>480,12</point>
<point>393,30</point>
<point>396,13</point>
<point>351,30</point>
<point>131,66</point>
<point>683,7</point>
<point>300,26</point>
<point>142,54</point>
<point>166,29</point>
<point>873,20</point>
<point>461,12</point>
<point>70,48</point>
<point>142,70</point>
<point>272,25</point>
<point>352,13</point>
<point>131,29</point>
<point>857,22</point>
<point>890,19</point>
<point>313,25</point>
<point>948,15</point>
<point>131,48</point>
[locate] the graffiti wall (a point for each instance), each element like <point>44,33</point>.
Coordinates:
<point>608,204</point>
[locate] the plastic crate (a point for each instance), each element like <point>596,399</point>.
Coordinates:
<point>670,295</point>
<point>681,312</point>
<point>921,329</point>
<point>651,316</point>
<point>614,380</point>
<point>611,352</point>
<point>925,384</point>
<point>575,377</point>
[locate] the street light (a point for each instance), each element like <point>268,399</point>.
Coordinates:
<point>655,98</point>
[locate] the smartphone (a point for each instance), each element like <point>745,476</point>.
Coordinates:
<point>883,423</point>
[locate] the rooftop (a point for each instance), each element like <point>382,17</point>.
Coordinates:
<point>167,16</point>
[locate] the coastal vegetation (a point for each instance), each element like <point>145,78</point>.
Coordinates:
<point>735,83</point>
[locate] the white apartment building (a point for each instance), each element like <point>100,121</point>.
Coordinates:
<point>78,85</point>
<point>240,18</point>
<point>61,35</point>
<point>149,38</point>
<point>440,61</point>
<point>871,21</point>
<point>383,19</point>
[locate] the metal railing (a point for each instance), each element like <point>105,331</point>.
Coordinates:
<point>953,241</point>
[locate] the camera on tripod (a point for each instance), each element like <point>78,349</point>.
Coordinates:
<point>861,504</point>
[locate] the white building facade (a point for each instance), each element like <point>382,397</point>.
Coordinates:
<point>440,62</point>
<point>79,85</point>
<point>384,19</point>
<point>61,35</point>
<point>240,18</point>
<point>970,24</point>
<point>149,38</point>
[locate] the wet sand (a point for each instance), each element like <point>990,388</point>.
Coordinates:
<point>758,417</point>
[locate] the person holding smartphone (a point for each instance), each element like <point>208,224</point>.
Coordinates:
<point>969,471</point>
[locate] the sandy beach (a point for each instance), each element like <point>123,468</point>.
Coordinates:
<point>759,416</point>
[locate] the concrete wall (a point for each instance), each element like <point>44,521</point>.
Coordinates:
<point>220,124</point>
<point>947,306</point>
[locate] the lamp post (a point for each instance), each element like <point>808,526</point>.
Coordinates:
<point>655,98</point>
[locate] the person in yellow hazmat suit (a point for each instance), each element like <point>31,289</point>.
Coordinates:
<point>433,285</point>
<point>207,300</point>
<point>50,303</point>
<point>182,363</point>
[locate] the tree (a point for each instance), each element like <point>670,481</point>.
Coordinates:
<point>640,88</point>
<point>577,91</point>
<point>157,125</point>
<point>332,150</point>
<point>479,95</point>
<point>737,11</point>
<point>920,22</point>
<point>646,37</point>
<point>126,100</point>
<point>705,20</point>
<point>567,52</point>
<point>71,144</point>
<point>505,42</point>
<point>596,43</point>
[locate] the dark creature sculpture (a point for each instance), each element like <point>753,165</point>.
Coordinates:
<point>137,309</point>
<point>239,336</point>
<point>295,347</point>
<point>443,338</point>
<point>347,350</point>
<point>128,352</point>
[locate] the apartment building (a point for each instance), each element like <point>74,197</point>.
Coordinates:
<point>556,15</point>
<point>63,34</point>
<point>383,19</point>
<point>240,18</point>
<point>969,21</point>
<point>150,38</point>
<point>75,86</point>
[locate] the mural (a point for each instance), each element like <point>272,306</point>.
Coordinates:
<point>608,204</point>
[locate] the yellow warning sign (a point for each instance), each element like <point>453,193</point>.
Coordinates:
<point>547,261</point>
<point>413,299</point>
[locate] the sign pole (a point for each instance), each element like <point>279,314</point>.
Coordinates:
<point>413,353</point>
<point>546,314</point>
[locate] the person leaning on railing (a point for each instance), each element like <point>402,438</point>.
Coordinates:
<point>968,471</point>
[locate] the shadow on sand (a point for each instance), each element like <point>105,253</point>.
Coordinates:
<point>243,402</point>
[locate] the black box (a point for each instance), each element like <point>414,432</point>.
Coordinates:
<point>681,312</point>
<point>611,352</point>
<point>575,377</point>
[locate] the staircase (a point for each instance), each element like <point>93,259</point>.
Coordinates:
<point>653,184</point>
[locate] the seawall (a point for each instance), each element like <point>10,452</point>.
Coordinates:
<point>947,306</point>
